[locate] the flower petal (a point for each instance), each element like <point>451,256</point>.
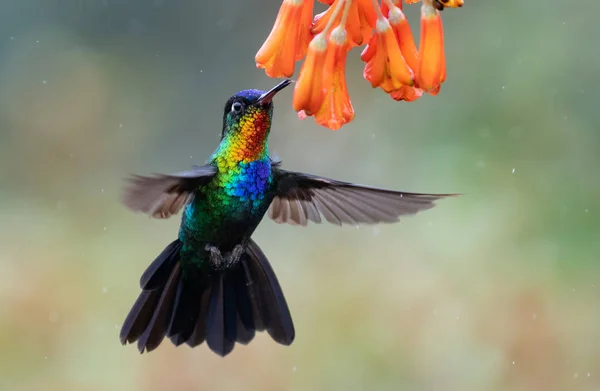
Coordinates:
<point>336,109</point>
<point>399,71</point>
<point>407,94</point>
<point>288,40</point>
<point>404,37</point>
<point>385,66</point>
<point>431,49</point>
<point>309,93</point>
<point>368,18</point>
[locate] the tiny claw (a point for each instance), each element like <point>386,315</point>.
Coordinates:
<point>234,257</point>
<point>215,255</point>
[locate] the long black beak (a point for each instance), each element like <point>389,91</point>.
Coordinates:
<point>268,96</point>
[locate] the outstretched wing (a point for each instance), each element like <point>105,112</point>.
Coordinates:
<point>301,198</point>
<point>162,195</point>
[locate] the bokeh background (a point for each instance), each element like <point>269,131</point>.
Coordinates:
<point>496,290</point>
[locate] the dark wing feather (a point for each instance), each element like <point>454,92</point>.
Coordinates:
<point>301,198</point>
<point>162,195</point>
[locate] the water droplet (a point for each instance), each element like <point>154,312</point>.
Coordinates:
<point>45,357</point>
<point>513,170</point>
<point>104,228</point>
<point>12,38</point>
<point>120,125</point>
<point>201,71</point>
<point>44,82</point>
<point>575,375</point>
<point>37,41</point>
<point>534,316</point>
<point>294,369</point>
<point>102,190</point>
<point>104,289</point>
<point>513,363</point>
<point>503,87</point>
<point>589,374</point>
<point>586,210</point>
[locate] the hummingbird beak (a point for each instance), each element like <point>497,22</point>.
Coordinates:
<point>268,96</point>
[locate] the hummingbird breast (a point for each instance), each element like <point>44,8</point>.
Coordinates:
<point>231,206</point>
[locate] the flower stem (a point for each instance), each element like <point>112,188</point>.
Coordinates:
<point>345,14</point>
<point>391,3</point>
<point>336,11</point>
<point>377,9</point>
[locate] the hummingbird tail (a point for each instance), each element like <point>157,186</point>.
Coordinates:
<point>246,299</point>
<point>221,309</point>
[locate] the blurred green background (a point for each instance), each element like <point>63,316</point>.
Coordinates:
<point>496,290</point>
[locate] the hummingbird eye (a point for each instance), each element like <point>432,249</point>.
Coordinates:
<point>237,107</point>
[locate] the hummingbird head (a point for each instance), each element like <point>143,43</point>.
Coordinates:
<point>247,122</point>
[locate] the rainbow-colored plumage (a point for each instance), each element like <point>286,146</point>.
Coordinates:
<point>232,204</point>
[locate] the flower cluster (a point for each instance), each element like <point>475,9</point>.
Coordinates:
<point>392,60</point>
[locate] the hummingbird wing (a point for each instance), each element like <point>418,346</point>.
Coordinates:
<point>163,195</point>
<point>301,198</point>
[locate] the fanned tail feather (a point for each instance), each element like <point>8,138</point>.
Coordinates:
<point>222,309</point>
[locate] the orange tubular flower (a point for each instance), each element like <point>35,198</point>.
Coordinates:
<point>407,45</point>
<point>392,61</point>
<point>288,40</point>
<point>336,109</point>
<point>386,67</point>
<point>309,93</point>
<point>431,69</point>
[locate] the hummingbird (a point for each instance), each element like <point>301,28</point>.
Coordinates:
<point>213,283</point>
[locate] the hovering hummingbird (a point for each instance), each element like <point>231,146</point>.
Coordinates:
<point>214,283</point>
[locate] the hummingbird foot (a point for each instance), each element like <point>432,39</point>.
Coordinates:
<point>225,262</point>
<point>234,257</point>
<point>215,256</point>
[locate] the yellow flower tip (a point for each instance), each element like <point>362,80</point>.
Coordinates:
<point>450,3</point>
<point>288,40</point>
<point>411,1</point>
<point>431,71</point>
